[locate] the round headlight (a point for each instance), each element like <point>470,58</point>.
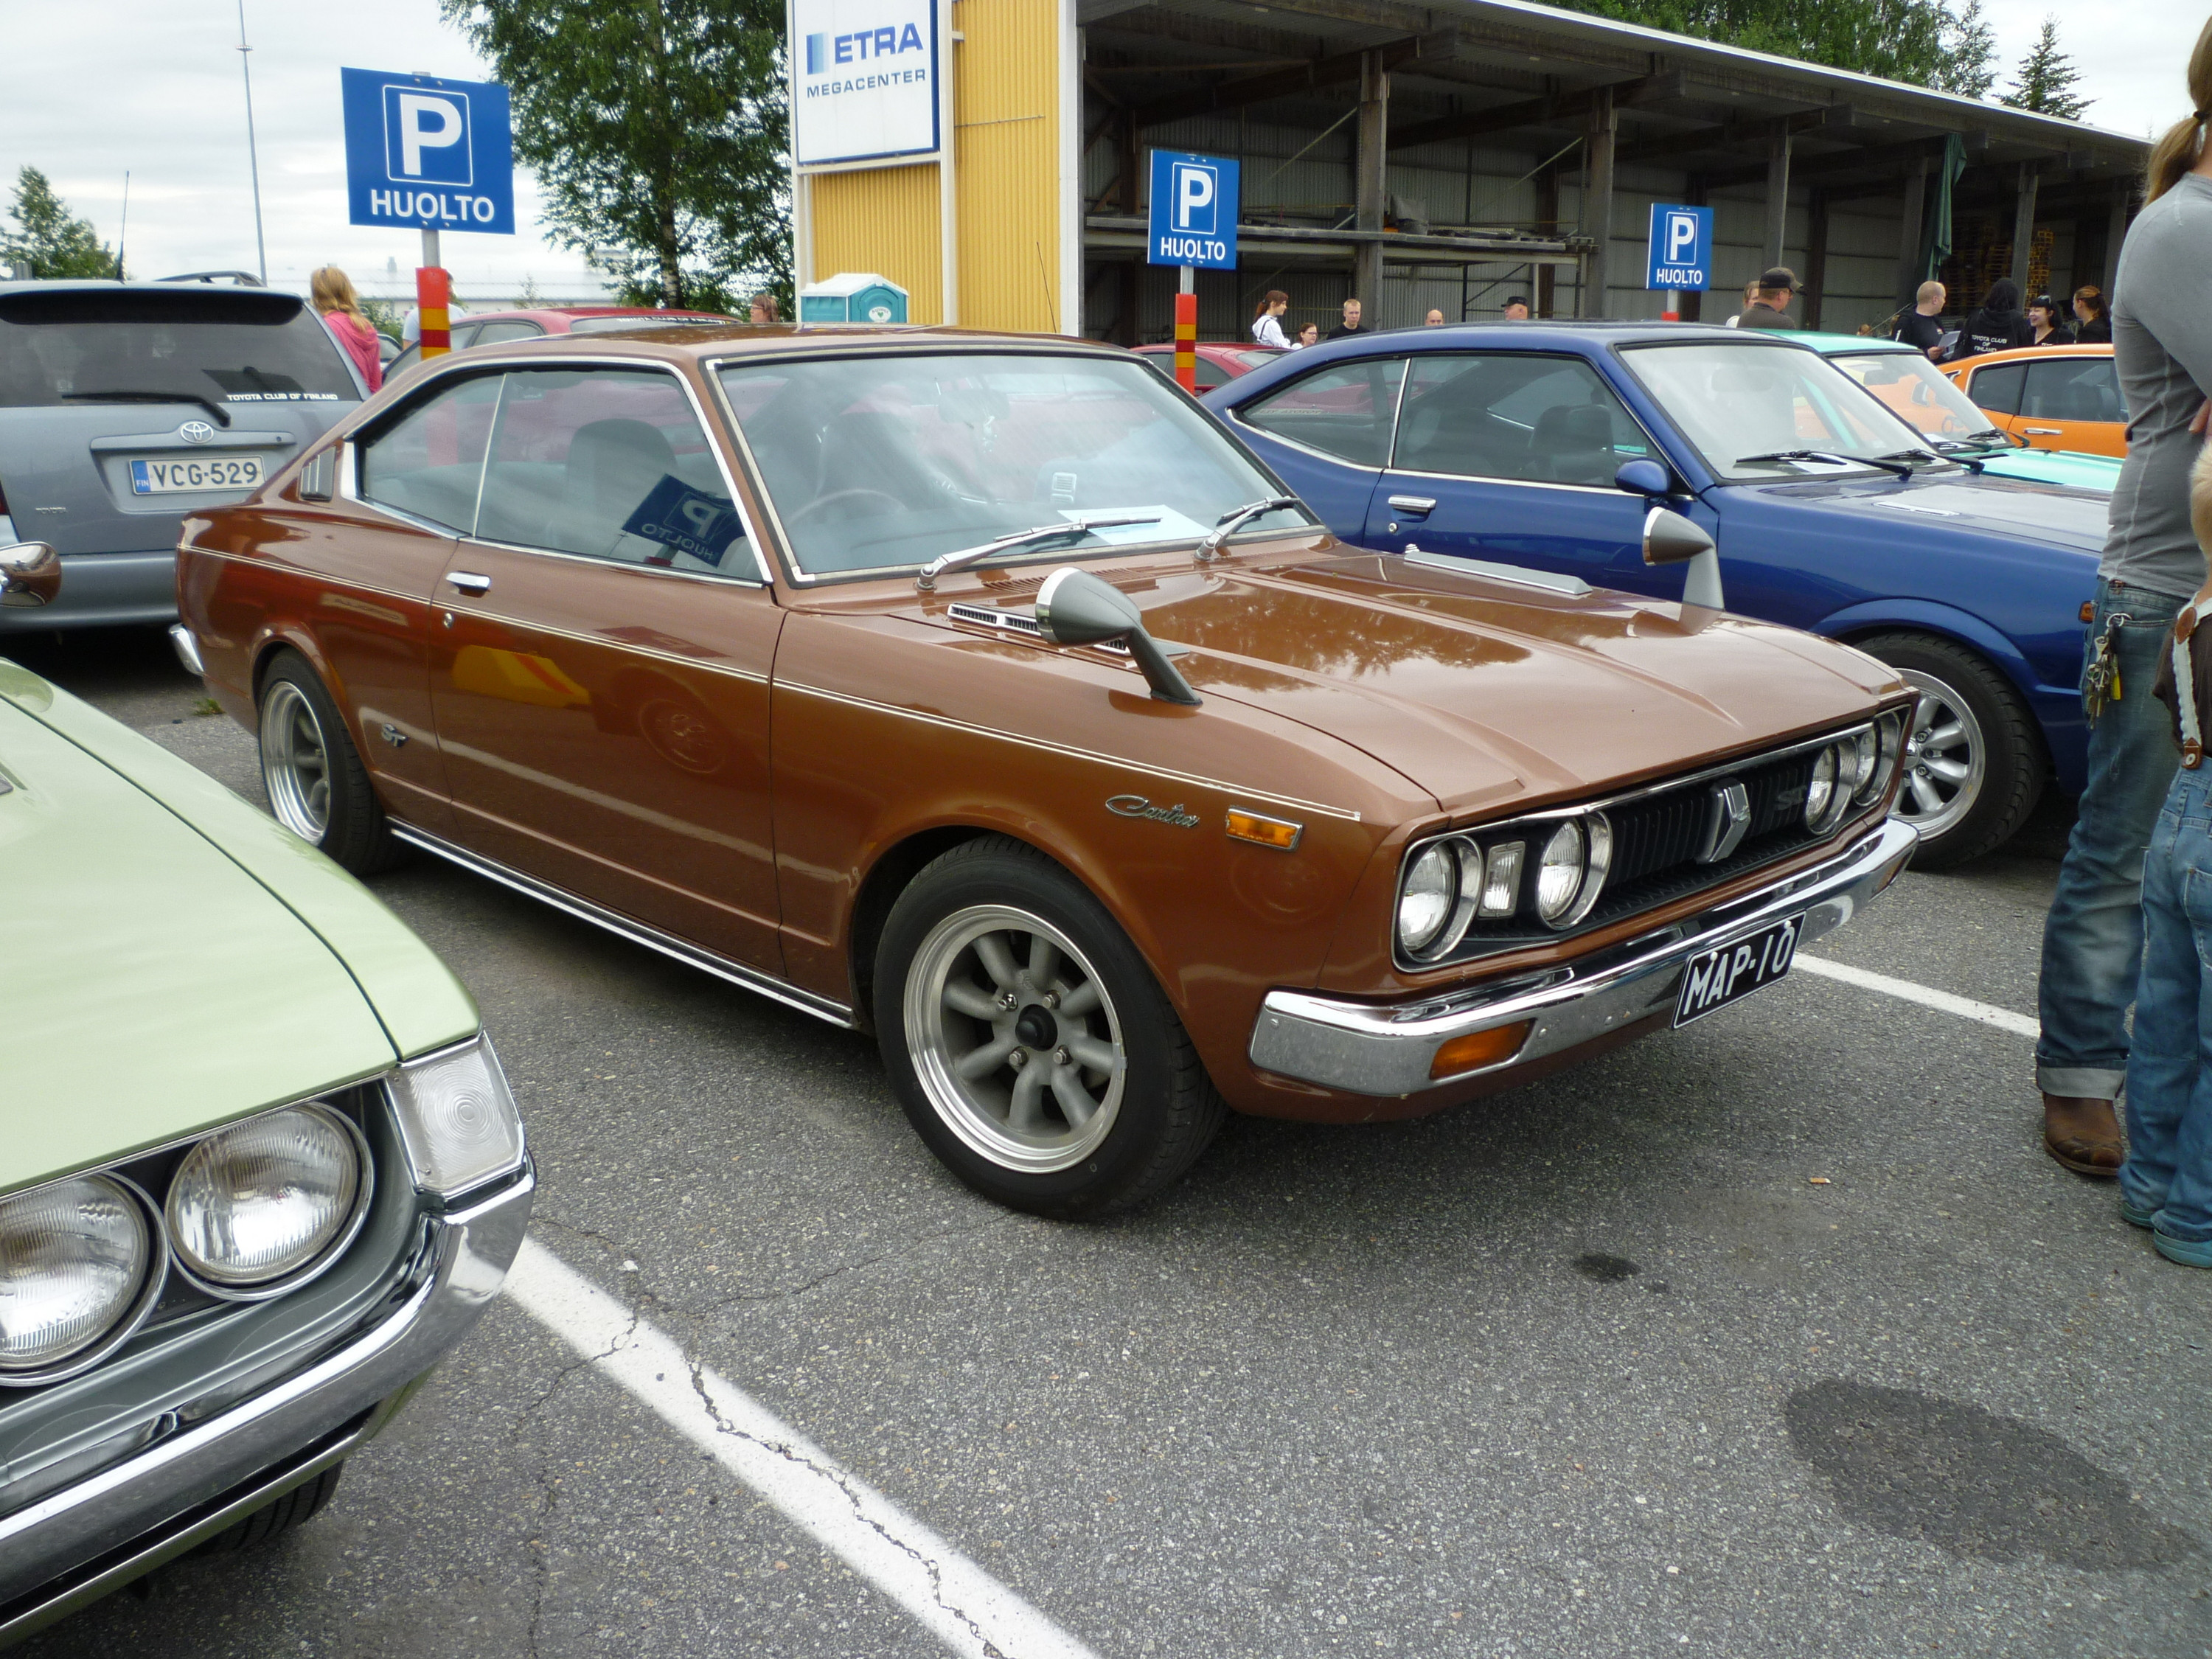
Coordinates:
<point>1821,792</point>
<point>1559,873</point>
<point>261,1200</point>
<point>1426,898</point>
<point>1866,760</point>
<point>73,1258</point>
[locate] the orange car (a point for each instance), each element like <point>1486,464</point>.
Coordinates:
<point>2054,397</point>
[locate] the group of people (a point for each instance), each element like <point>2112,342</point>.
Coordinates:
<point>2001,323</point>
<point>1268,321</point>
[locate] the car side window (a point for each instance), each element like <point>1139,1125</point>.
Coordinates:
<point>2073,389</point>
<point>1209,374</point>
<point>494,333</point>
<point>609,463</point>
<point>429,462</point>
<point>1998,388</point>
<point>1347,409</point>
<point>1542,419</point>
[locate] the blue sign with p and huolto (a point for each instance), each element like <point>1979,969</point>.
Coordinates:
<point>425,153</point>
<point>1681,248</point>
<point>1194,214</point>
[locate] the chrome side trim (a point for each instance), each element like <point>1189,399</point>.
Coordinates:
<point>1573,586</point>
<point>637,932</point>
<point>1385,1050</point>
<point>945,723</point>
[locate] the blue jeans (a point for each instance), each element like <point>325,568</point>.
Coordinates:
<point>2169,1167</point>
<point>2092,940</point>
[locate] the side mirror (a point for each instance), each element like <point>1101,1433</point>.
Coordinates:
<point>1074,607</point>
<point>1670,539</point>
<point>30,575</point>
<point>1644,477</point>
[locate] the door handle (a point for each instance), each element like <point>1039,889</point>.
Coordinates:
<point>469,582</point>
<point>1416,505</point>
<point>2045,431</point>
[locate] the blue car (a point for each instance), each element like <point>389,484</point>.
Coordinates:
<point>1512,443</point>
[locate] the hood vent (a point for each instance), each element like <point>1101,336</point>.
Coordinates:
<point>983,616</point>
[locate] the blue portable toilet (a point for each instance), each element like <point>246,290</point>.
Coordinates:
<point>853,296</point>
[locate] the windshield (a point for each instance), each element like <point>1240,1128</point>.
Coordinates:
<point>882,463</point>
<point>1921,393</point>
<point>65,346</point>
<point>1738,404</point>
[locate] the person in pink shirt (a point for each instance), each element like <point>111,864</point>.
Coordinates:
<point>331,292</point>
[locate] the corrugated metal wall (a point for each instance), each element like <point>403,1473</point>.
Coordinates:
<point>1006,144</point>
<point>882,219</point>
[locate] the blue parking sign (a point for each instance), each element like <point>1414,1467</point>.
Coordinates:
<point>426,154</point>
<point>1682,247</point>
<point>1192,220</point>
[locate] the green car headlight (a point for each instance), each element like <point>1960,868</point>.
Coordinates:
<point>76,1263</point>
<point>253,1205</point>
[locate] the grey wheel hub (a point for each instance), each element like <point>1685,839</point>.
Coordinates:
<point>1014,1038</point>
<point>295,763</point>
<point>1945,758</point>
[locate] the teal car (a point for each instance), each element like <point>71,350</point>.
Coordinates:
<point>1902,377</point>
<point>259,1168</point>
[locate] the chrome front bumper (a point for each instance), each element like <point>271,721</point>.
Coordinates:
<point>1385,1050</point>
<point>73,1547</point>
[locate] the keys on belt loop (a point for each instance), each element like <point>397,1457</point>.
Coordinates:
<point>2102,682</point>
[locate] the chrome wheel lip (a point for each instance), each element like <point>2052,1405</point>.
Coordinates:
<point>1939,707</point>
<point>972,1110</point>
<point>295,763</point>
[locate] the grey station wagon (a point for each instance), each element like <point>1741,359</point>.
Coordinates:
<point>126,406</point>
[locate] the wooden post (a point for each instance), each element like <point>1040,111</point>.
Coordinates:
<point>2023,228</point>
<point>1693,301</point>
<point>2116,233</point>
<point>1545,293</point>
<point>1778,196</point>
<point>1129,272</point>
<point>1370,182</point>
<point>1911,227</point>
<point>1597,203</point>
<point>1816,258</point>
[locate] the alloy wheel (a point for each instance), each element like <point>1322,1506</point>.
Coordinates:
<point>295,763</point>
<point>1015,1039</point>
<point>1945,756</point>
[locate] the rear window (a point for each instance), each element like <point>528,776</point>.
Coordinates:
<point>65,346</point>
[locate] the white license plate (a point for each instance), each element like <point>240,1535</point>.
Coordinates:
<point>207,472</point>
<point>1715,978</point>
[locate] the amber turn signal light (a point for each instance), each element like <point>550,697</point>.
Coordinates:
<point>1477,1049</point>
<point>1277,833</point>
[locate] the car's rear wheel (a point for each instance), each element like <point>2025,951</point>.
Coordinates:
<point>1973,762</point>
<point>318,787</point>
<point>1028,1041</point>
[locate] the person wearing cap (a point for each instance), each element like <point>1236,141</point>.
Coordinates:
<point>1516,307</point>
<point>1771,309</point>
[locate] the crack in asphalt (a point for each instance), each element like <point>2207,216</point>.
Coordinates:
<point>842,1481</point>
<point>744,1298</point>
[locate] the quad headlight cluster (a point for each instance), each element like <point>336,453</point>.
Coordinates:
<point>1852,772</point>
<point>1555,867</point>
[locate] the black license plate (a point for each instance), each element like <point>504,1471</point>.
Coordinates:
<point>1729,973</point>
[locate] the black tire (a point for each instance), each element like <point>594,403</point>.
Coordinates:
<point>1155,1110</point>
<point>2012,761</point>
<point>294,1508</point>
<point>343,818</point>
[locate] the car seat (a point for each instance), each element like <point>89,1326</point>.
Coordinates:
<point>1574,444</point>
<point>613,466</point>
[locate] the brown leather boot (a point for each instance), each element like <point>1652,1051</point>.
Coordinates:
<point>2083,1135</point>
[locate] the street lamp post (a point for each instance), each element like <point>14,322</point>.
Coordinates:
<point>252,155</point>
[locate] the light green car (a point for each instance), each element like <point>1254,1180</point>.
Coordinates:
<point>259,1168</point>
<point>1902,376</point>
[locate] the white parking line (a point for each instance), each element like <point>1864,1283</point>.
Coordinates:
<point>966,1608</point>
<point>1985,1013</point>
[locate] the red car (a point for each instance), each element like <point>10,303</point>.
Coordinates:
<point>491,327</point>
<point>1218,363</point>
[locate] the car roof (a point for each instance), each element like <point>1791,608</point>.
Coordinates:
<point>2021,354</point>
<point>1829,344</point>
<point>696,340</point>
<point>536,314</point>
<point>218,292</point>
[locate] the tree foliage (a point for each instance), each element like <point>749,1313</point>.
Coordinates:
<point>2044,75</point>
<point>657,131</point>
<point>48,238</point>
<point>1927,42</point>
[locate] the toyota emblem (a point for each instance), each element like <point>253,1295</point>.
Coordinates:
<point>196,432</point>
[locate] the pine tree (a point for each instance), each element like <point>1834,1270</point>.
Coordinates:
<point>49,240</point>
<point>1925,42</point>
<point>2044,76</point>
<point>1972,44</point>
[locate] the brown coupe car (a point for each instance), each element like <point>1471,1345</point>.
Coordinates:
<point>983,692</point>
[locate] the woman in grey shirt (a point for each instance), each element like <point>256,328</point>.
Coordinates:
<point>2093,940</point>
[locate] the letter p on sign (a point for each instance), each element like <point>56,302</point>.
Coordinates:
<point>426,136</point>
<point>1196,189</point>
<point>1682,237</point>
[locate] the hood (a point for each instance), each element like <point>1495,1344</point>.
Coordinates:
<point>2019,509</point>
<point>157,986</point>
<point>1488,693</point>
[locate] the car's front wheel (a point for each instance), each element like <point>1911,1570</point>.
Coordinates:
<point>318,787</point>
<point>1973,762</point>
<point>1028,1041</point>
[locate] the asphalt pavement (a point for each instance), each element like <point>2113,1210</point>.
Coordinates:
<point>1776,1336</point>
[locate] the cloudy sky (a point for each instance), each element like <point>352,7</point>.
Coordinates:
<point>154,89</point>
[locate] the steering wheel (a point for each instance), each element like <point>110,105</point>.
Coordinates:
<point>821,503</point>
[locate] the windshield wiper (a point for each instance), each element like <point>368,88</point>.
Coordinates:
<point>1043,536</point>
<point>222,415</point>
<point>1898,468</point>
<point>1235,518</point>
